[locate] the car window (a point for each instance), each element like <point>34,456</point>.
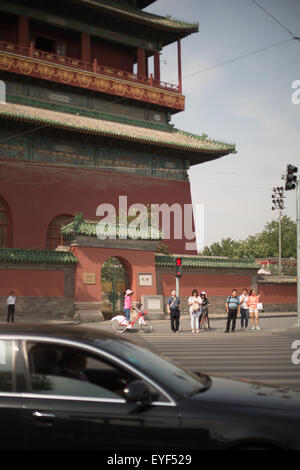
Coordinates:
<point>159,369</point>
<point>60,370</point>
<point>6,366</point>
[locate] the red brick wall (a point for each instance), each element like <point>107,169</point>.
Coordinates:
<point>32,282</point>
<point>213,284</point>
<point>274,293</point>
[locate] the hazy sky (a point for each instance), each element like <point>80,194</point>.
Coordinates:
<point>247,101</point>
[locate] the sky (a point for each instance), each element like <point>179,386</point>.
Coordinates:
<point>247,101</point>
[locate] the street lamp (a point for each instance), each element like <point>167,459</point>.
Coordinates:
<point>278,204</point>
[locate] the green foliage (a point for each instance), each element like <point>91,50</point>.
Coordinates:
<point>262,245</point>
<point>164,249</point>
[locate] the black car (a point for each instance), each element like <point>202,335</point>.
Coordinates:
<point>67,387</point>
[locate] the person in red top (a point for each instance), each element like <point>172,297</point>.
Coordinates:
<point>252,302</point>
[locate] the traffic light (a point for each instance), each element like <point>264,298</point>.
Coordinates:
<point>291,178</point>
<point>178,267</point>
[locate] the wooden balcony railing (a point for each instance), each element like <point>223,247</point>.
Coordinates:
<point>94,66</point>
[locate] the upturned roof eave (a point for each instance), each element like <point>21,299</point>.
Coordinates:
<point>156,22</point>
<point>220,150</point>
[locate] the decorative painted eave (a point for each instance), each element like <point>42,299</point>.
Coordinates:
<point>202,262</point>
<point>136,15</point>
<point>181,141</point>
<point>15,255</point>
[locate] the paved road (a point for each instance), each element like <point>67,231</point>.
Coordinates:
<point>264,355</point>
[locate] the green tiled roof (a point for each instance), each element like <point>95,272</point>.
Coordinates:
<point>15,255</point>
<point>209,262</point>
<point>132,13</point>
<point>177,139</point>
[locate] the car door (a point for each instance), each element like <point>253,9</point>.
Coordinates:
<point>65,409</point>
<point>11,417</point>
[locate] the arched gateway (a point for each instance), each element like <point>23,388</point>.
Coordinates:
<point>106,268</point>
<point>115,279</point>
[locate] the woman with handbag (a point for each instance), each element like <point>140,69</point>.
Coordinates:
<point>195,302</point>
<point>252,302</point>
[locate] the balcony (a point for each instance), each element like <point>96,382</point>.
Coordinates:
<point>91,67</point>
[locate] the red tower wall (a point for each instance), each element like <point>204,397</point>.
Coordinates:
<point>36,193</point>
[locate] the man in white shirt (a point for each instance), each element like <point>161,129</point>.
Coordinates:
<point>244,309</point>
<point>11,301</point>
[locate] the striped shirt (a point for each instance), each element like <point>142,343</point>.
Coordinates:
<point>233,302</point>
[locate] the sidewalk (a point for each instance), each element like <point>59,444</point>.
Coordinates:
<point>164,324</point>
<point>268,323</point>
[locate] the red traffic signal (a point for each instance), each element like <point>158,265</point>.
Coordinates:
<point>178,267</point>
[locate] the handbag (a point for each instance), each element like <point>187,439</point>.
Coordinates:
<point>260,306</point>
<point>195,306</point>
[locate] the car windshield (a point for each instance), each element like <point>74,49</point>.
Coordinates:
<point>163,372</point>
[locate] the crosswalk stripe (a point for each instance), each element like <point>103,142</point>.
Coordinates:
<point>263,356</point>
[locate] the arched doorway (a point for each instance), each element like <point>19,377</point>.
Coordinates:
<point>115,279</point>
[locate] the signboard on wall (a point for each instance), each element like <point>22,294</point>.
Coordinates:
<point>89,278</point>
<point>145,280</point>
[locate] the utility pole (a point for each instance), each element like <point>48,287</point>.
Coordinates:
<point>298,245</point>
<point>293,182</point>
<point>277,199</point>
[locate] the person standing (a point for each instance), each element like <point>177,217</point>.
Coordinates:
<point>194,302</point>
<point>244,310</point>
<point>11,302</point>
<point>252,302</point>
<point>173,308</point>
<point>127,304</point>
<point>204,307</point>
<point>232,309</point>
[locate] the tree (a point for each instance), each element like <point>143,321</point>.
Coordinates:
<point>262,245</point>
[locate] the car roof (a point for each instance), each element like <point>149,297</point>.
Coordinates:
<point>62,331</point>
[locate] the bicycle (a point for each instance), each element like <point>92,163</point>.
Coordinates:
<point>119,323</point>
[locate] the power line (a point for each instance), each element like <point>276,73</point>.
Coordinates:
<point>234,185</point>
<point>233,172</point>
<point>273,17</point>
<point>239,57</point>
<point>22,133</point>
